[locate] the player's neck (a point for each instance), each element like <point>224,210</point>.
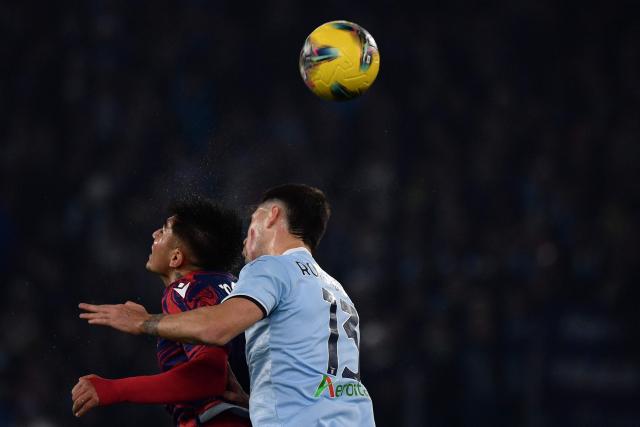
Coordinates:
<point>287,242</point>
<point>279,240</point>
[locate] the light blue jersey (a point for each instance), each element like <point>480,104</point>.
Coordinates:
<point>303,357</point>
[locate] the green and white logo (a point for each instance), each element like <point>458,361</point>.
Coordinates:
<point>338,389</point>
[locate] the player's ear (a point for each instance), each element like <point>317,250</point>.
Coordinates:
<point>177,258</point>
<point>275,213</point>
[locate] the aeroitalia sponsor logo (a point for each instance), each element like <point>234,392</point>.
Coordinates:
<point>325,384</point>
<point>337,389</point>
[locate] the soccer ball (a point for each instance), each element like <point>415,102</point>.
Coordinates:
<point>339,60</point>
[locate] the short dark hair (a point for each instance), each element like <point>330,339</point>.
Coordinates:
<point>212,233</point>
<point>307,210</point>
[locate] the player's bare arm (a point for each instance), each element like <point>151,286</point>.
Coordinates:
<point>214,325</point>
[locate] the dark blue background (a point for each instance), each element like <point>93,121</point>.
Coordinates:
<point>485,192</point>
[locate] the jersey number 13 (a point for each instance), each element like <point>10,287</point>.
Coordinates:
<point>350,327</point>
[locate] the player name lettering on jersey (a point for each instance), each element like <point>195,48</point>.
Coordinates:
<point>307,268</point>
<point>313,269</point>
<point>227,287</point>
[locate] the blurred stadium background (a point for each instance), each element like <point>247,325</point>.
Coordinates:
<point>485,192</point>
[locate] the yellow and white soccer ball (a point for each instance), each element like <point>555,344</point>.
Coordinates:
<point>339,60</point>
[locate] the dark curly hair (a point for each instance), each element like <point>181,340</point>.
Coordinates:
<point>212,233</point>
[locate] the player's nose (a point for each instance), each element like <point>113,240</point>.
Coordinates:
<point>155,234</point>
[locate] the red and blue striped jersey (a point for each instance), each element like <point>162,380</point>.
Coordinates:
<point>197,289</point>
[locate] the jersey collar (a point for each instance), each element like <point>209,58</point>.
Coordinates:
<point>186,278</point>
<point>190,276</point>
<point>298,249</point>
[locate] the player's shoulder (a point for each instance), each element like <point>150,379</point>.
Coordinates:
<point>203,287</point>
<point>273,267</point>
<point>265,263</point>
<point>211,278</point>
<point>287,259</point>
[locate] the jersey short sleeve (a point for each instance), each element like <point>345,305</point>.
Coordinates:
<point>264,281</point>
